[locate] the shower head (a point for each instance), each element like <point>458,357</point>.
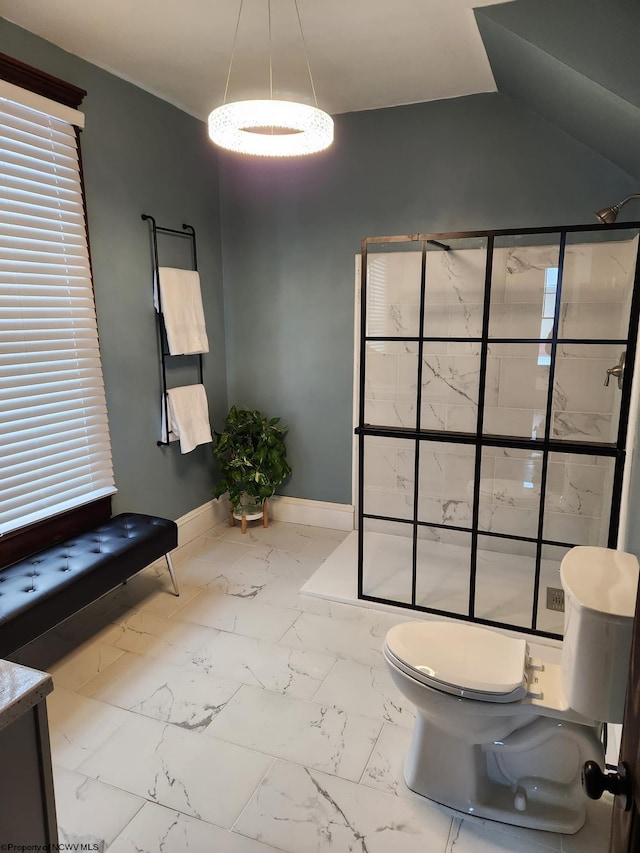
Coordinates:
<point>608,215</point>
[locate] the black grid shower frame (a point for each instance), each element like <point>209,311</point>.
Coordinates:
<point>479,440</point>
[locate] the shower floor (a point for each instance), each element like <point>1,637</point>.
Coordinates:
<point>504,589</point>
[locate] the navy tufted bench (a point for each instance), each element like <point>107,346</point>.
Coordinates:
<point>38,592</point>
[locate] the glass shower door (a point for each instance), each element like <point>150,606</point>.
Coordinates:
<point>495,380</point>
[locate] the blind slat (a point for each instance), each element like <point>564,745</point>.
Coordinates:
<point>55,452</point>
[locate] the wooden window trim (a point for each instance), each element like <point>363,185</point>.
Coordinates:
<point>27,77</point>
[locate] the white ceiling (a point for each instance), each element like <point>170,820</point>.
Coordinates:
<point>364,54</point>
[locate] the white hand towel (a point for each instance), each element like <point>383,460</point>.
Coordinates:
<point>181,302</point>
<point>188,414</point>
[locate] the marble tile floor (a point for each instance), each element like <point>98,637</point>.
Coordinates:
<point>245,717</point>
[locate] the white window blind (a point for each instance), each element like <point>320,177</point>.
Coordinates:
<point>55,451</point>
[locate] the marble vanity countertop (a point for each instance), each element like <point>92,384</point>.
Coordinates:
<point>20,689</point>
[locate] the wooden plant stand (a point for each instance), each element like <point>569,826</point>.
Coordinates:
<point>254,515</point>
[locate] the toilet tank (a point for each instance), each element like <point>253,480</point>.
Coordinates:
<point>600,594</point>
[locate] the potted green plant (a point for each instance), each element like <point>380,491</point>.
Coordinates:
<point>252,458</point>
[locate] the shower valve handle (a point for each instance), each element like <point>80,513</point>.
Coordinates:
<point>617,371</point>
<point>595,782</point>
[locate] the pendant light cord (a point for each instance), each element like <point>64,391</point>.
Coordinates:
<point>233,51</point>
<point>306,54</point>
<point>270,59</point>
<point>304,45</point>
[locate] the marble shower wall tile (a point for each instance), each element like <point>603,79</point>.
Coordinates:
<point>393,293</point>
<point>516,482</point>
<point>508,519</point>
<point>580,426</point>
<point>389,472</point>
<point>391,371</point>
<point>519,272</point>
<point>526,423</point>
<point>451,379</point>
<point>381,370</point>
<point>575,488</point>
<point>394,414</point>
<point>523,382</point>
<point>515,319</point>
<point>394,504</point>
<point>581,401</point>
<point>455,278</point>
<point>593,319</point>
<point>578,499</point>
<point>579,384</point>
<point>579,530</point>
<point>597,286</point>
<point>599,272</point>
<point>446,470</point>
<point>510,491</point>
<point>463,320</point>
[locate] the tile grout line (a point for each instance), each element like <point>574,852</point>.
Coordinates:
<point>252,795</point>
<point>322,683</point>
<point>373,749</point>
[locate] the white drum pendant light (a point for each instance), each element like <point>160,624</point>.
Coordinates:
<point>271,128</point>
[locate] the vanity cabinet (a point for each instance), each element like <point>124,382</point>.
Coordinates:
<point>27,803</point>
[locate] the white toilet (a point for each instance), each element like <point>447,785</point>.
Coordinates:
<point>503,734</point>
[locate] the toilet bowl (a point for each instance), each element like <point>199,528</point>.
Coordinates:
<point>503,726</point>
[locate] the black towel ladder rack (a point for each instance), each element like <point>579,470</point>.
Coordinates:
<point>188,232</point>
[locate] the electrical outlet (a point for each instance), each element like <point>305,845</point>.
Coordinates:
<point>555,599</point>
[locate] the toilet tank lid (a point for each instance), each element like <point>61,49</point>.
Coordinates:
<point>461,655</point>
<point>601,579</point>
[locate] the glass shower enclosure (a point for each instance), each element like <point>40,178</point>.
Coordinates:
<point>495,376</point>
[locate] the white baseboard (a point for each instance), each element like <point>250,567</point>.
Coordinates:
<point>295,510</point>
<point>201,519</point>
<point>314,513</point>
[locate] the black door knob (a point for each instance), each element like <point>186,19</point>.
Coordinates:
<point>595,782</point>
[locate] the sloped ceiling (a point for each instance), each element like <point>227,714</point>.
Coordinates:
<point>576,63</point>
<point>364,54</point>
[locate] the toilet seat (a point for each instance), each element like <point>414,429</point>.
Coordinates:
<point>491,668</point>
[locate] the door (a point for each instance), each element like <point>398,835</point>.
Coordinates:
<point>625,825</point>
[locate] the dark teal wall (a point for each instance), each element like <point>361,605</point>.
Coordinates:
<point>291,230</point>
<point>574,62</point>
<point>142,155</point>
<point>596,38</point>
